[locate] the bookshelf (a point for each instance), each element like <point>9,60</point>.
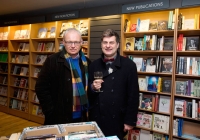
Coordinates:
<point>190,124</point>
<point>26,50</point>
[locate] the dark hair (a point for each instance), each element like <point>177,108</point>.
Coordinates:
<point>110,33</point>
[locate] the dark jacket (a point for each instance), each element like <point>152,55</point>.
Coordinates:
<point>54,89</point>
<point>118,103</point>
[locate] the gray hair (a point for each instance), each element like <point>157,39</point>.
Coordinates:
<point>71,29</point>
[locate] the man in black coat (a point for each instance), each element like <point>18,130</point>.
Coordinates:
<point>115,107</point>
<point>62,82</point>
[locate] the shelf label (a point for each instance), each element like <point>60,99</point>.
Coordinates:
<point>65,15</point>
<point>190,2</point>
<point>10,22</point>
<point>145,6</point>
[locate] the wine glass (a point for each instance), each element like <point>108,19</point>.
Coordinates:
<point>98,75</point>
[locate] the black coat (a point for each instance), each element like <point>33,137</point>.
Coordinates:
<point>54,89</point>
<point>118,103</point>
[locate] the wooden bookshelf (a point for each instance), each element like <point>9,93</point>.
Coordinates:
<point>190,125</point>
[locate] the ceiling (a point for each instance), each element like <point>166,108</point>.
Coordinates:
<point>10,7</point>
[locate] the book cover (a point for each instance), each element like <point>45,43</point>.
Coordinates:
<point>188,24</point>
<point>52,32</point>
<point>166,64</point>
<point>64,27</point>
<point>144,25</point>
<point>142,83</point>
<point>133,27</point>
<point>180,87</point>
<point>168,43</point>
<point>153,83</point>
<point>161,123</point>
<point>162,25</point>
<point>192,43</point>
<point>139,62</point>
<point>139,119</point>
<point>153,26</point>
<point>164,104</point>
<point>83,27</point>
<point>42,33</point>
<point>166,86</point>
<point>146,102</point>
<point>138,44</point>
<point>151,64</point>
<point>178,107</point>
<point>147,120</point>
<point>134,134</point>
<point>130,44</point>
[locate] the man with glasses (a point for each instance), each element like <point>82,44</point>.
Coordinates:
<point>63,81</point>
<point>115,108</point>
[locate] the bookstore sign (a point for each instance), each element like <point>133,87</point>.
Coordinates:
<point>10,22</point>
<point>65,15</point>
<point>145,6</point>
<point>190,2</point>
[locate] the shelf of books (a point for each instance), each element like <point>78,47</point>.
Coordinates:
<point>187,75</point>
<point>4,69</point>
<point>165,47</point>
<point>148,40</point>
<point>23,50</point>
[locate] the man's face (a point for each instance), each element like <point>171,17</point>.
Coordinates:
<point>72,42</point>
<point>109,46</point>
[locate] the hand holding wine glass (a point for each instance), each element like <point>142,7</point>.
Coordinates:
<point>98,76</point>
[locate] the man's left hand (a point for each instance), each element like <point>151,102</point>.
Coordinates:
<point>127,127</point>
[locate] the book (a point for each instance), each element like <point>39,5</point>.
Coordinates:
<point>144,25</point>
<point>166,86</point>
<point>146,102</point>
<point>134,134</point>
<point>36,72</point>
<point>151,64</point>
<point>138,44</point>
<point>181,87</point>
<point>64,27</point>
<point>130,44</point>
<point>153,26</point>
<point>42,32</point>
<point>52,32</point>
<point>188,24</point>
<point>162,25</point>
<point>142,83</point>
<point>166,64</point>
<point>139,62</point>
<point>164,104</point>
<point>168,43</point>
<point>178,107</point>
<point>192,43</point>
<point>160,123</point>
<point>83,27</point>
<point>153,83</point>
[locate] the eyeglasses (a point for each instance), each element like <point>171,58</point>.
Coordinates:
<point>76,43</point>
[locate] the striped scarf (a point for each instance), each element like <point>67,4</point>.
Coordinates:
<point>79,91</point>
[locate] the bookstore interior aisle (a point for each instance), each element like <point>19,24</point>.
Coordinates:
<point>10,124</point>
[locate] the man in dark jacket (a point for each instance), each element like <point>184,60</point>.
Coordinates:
<point>115,108</point>
<point>62,82</point>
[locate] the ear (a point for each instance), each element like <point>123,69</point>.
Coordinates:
<point>117,45</point>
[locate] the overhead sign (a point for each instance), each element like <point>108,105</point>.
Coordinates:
<point>190,2</point>
<point>145,6</point>
<point>10,22</point>
<point>65,15</point>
